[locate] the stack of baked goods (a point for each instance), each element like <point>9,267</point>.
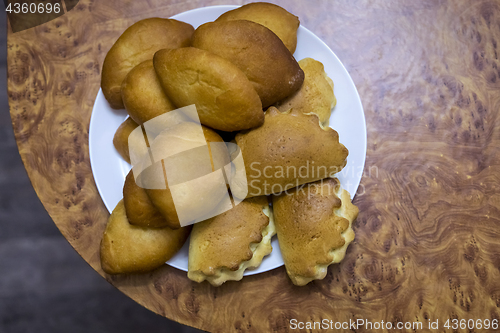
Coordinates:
<point>240,73</point>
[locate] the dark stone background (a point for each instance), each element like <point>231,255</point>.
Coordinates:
<point>44,284</point>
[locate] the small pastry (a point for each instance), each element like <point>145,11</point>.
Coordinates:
<point>258,52</point>
<point>137,44</point>
<point>315,95</point>
<point>314,227</point>
<point>223,247</point>
<point>224,97</point>
<point>289,150</point>
<point>120,140</point>
<point>275,18</point>
<point>126,248</point>
<point>142,94</point>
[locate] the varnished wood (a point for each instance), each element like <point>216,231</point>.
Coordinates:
<point>427,235</point>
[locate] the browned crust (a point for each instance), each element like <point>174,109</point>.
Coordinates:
<point>126,248</point>
<point>316,94</point>
<point>275,18</point>
<point>137,44</point>
<point>224,240</point>
<point>120,139</point>
<point>142,94</point>
<point>258,52</point>
<point>288,142</point>
<point>224,97</point>
<point>139,208</point>
<point>310,226</point>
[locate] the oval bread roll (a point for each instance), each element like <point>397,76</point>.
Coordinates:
<point>275,18</point>
<point>313,224</point>
<point>139,43</point>
<point>289,150</point>
<point>315,95</point>
<point>139,208</point>
<point>258,52</point>
<point>120,140</point>
<point>143,95</point>
<point>126,248</point>
<point>223,96</point>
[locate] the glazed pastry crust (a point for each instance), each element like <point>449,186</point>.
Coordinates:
<point>126,248</point>
<point>275,18</point>
<point>120,140</point>
<point>139,208</point>
<point>223,247</point>
<point>225,99</point>
<point>137,44</point>
<point>258,52</point>
<point>316,94</point>
<point>314,227</point>
<point>276,152</point>
<point>142,94</point>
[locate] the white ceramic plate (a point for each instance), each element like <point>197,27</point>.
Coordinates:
<point>347,119</point>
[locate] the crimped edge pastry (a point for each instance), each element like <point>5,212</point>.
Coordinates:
<point>259,251</point>
<point>348,211</point>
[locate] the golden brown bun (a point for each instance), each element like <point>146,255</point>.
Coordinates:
<point>126,248</point>
<point>143,95</point>
<point>224,97</point>
<point>139,43</point>
<point>273,17</point>
<point>140,210</point>
<point>258,52</point>
<point>315,95</point>
<point>290,149</point>
<point>314,228</point>
<point>222,247</point>
<point>120,140</point>
<point>198,200</point>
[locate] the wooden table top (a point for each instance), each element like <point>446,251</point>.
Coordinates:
<point>428,234</point>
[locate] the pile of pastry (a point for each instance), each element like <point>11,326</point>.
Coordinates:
<point>240,73</point>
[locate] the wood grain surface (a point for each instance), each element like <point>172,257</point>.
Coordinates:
<point>427,236</point>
